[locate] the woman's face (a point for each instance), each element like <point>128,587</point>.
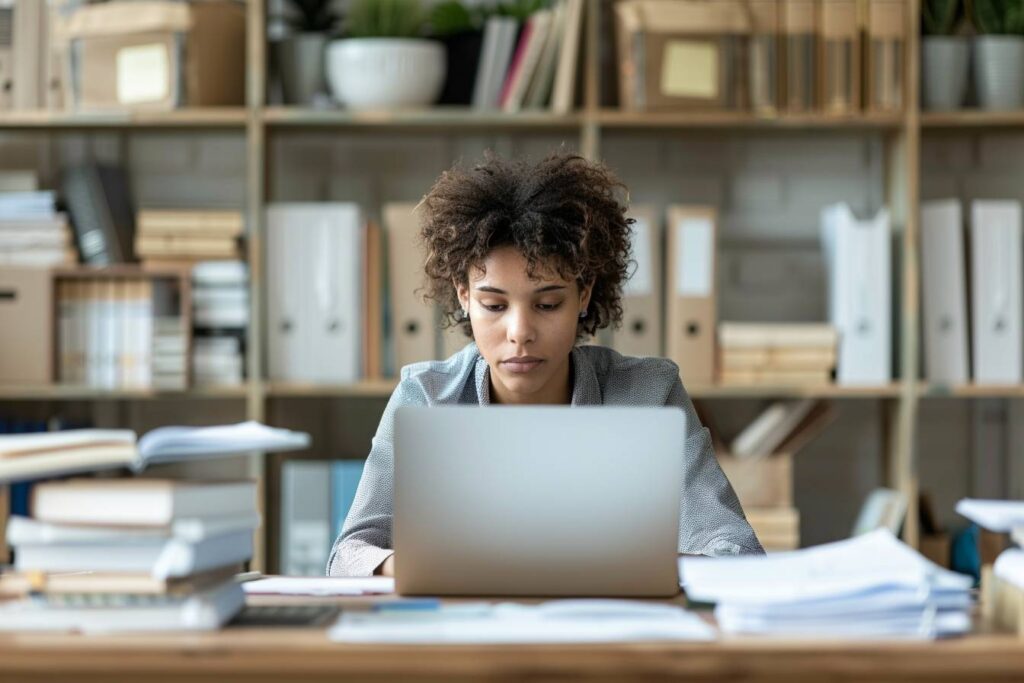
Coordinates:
<point>525,329</point>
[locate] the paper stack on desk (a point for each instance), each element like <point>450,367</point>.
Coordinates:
<point>107,555</point>
<point>557,621</point>
<point>871,586</point>
<point>1003,584</point>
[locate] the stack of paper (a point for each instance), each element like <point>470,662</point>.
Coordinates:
<point>1003,585</point>
<point>558,621</point>
<point>780,353</point>
<point>220,308</point>
<point>129,555</point>
<point>32,232</point>
<point>871,586</point>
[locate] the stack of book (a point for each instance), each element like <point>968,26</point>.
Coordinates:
<point>170,353</point>
<point>32,231</point>
<point>129,555</point>
<point>1002,581</point>
<point>220,316</point>
<point>788,353</point>
<point>184,236</point>
<point>871,586</point>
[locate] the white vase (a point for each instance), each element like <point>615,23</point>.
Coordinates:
<point>945,61</point>
<point>385,73</point>
<point>999,71</point>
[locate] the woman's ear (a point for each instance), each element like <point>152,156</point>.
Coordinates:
<point>462,291</point>
<point>585,292</point>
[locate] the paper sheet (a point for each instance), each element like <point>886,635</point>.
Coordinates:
<point>320,586</point>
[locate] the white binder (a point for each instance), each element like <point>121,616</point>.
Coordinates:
<point>641,331</point>
<point>315,280</point>
<point>860,293</point>
<point>943,275</point>
<point>996,281</point>
<point>305,517</point>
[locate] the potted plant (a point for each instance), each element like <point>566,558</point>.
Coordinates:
<point>384,62</point>
<point>999,53</point>
<point>300,56</point>
<point>945,57</point>
<point>460,29</point>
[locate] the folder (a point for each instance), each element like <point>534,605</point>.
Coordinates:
<point>29,20</point>
<point>641,331</point>
<point>858,254</point>
<point>691,292</point>
<point>315,263</point>
<point>6,58</point>
<point>996,290</point>
<point>27,321</point>
<point>305,517</point>
<point>945,292</point>
<point>412,319</point>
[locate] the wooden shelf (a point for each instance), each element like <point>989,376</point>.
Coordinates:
<point>971,391</point>
<point>627,120</point>
<point>780,391</point>
<point>212,117</point>
<point>432,118</point>
<point>972,118</point>
<point>58,392</point>
<point>375,388</point>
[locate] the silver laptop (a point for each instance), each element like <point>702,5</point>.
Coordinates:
<point>537,500</point>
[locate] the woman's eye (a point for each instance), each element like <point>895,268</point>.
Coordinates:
<point>548,307</point>
<point>495,308</point>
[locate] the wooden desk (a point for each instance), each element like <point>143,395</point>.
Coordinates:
<point>255,655</point>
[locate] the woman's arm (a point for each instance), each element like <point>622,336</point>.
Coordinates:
<point>364,544</point>
<point>711,520</point>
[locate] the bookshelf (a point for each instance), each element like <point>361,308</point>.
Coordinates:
<point>900,133</point>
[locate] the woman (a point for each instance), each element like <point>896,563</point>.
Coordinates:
<point>529,260</point>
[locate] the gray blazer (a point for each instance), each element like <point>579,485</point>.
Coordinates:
<point>711,521</point>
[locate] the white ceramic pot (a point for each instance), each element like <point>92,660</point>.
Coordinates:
<point>385,73</point>
<point>945,62</point>
<point>999,71</point>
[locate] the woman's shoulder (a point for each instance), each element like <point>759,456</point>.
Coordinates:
<point>644,379</point>
<point>436,380</point>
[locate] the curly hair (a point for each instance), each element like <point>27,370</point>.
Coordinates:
<point>561,213</point>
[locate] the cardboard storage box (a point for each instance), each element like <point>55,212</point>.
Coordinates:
<point>157,55</point>
<point>26,318</point>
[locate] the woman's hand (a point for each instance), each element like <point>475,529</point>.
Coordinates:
<point>387,568</point>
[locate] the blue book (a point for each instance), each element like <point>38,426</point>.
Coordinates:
<point>345,476</point>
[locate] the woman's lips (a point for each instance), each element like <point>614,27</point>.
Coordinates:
<point>521,367</point>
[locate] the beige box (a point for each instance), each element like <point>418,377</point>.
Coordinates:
<point>682,54</point>
<point>691,291</point>
<point>158,55</point>
<point>26,318</point>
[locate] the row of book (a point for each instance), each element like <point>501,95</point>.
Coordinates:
<point>32,60</point>
<point>121,333</point>
<point>220,318</point>
<point>32,231</point>
<point>769,56</point>
<point>530,65</point>
<point>789,354</point>
<point>316,496</point>
<point>973,292</point>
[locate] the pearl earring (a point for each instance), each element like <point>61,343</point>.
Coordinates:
<point>583,314</point>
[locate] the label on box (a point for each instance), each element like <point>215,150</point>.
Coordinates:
<point>143,74</point>
<point>689,68</point>
<point>695,253</point>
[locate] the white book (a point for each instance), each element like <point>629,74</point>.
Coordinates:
<point>997,281</point>
<point>305,517</point>
<point>27,531</point>
<point>860,278</point>
<point>56,240</point>
<point>509,31</point>
<point>31,456</point>
<point>220,273</point>
<point>944,295</point>
<point>94,342</point>
<point>160,558</point>
<point>563,95</point>
<point>205,611</point>
<point>488,55</point>
<point>65,310</point>
<point>55,224</point>
<point>762,436</point>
